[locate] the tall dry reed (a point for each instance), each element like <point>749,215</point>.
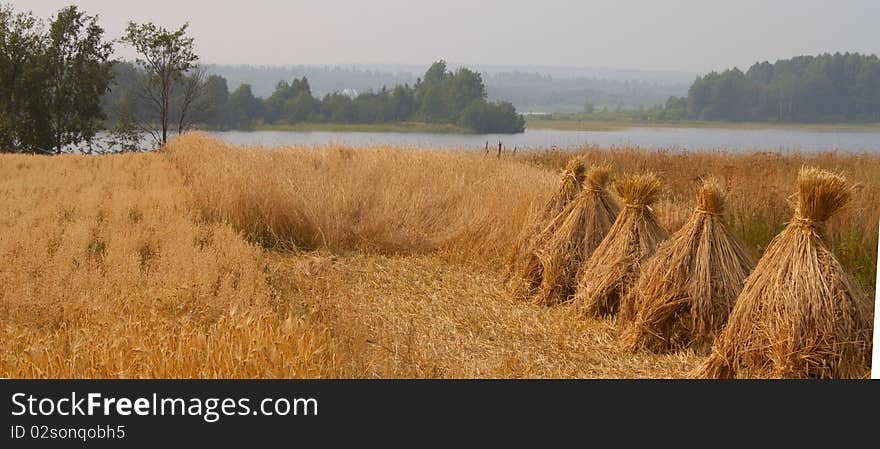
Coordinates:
<point>380,200</point>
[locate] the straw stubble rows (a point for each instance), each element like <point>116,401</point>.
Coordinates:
<point>211,261</point>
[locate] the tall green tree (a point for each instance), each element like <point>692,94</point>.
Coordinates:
<point>243,107</point>
<point>462,88</point>
<point>429,92</point>
<point>78,71</point>
<point>166,57</point>
<point>290,102</point>
<point>51,80</point>
<point>214,102</point>
<point>21,43</point>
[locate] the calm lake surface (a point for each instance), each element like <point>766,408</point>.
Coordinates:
<point>669,138</point>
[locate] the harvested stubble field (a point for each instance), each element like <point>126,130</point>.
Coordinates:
<point>205,260</point>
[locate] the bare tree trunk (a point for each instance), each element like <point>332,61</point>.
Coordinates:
<point>164,113</point>
<point>193,87</point>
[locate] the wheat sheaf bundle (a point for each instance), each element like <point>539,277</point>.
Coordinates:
<point>685,292</point>
<point>799,314</point>
<point>634,236</point>
<point>573,235</point>
<point>523,263</point>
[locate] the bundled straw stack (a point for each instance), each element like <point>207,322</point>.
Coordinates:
<point>573,235</point>
<point>614,266</point>
<point>686,290</point>
<point>570,183</point>
<point>523,262</point>
<point>799,314</point>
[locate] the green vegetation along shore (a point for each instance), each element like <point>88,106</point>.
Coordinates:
<point>394,127</point>
<point>615,125</point>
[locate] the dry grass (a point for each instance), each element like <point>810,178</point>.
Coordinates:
<point>376,200</point>
<point>172,264</point>
<point>419,316</point>
<point>687,289</point>
<point>107,273</point>
<point>799,314</point>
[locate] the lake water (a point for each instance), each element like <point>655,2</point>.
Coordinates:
<point>669,138</point>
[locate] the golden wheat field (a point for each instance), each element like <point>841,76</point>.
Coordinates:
<point>210,261</point>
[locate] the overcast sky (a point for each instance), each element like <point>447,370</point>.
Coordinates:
<point>681,35</point>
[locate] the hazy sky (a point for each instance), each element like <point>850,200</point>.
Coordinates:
<point>686,35</point>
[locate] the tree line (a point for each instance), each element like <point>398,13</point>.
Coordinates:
<point>830,88</point>
<point>55,78</point>
<point>60,87</point>
<point>441,96</point>
<point>51,79</point>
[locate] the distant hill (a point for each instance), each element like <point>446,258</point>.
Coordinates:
<point>534,92</point>
<point>323,79</point>
<point>530,89</point>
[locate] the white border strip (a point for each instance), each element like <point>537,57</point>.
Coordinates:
<point>875,357</point>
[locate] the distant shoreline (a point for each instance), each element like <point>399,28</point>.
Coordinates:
<point>395,127</point>
<point>556,124</point>
<point>617,125</point>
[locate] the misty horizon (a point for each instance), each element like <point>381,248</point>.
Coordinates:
<point>685,37</point>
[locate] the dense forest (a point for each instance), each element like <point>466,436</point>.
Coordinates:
<point>533,89</point>
<point>441,96</point>
<point>831,88</point>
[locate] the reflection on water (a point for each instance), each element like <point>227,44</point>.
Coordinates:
<point>672,138</point>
